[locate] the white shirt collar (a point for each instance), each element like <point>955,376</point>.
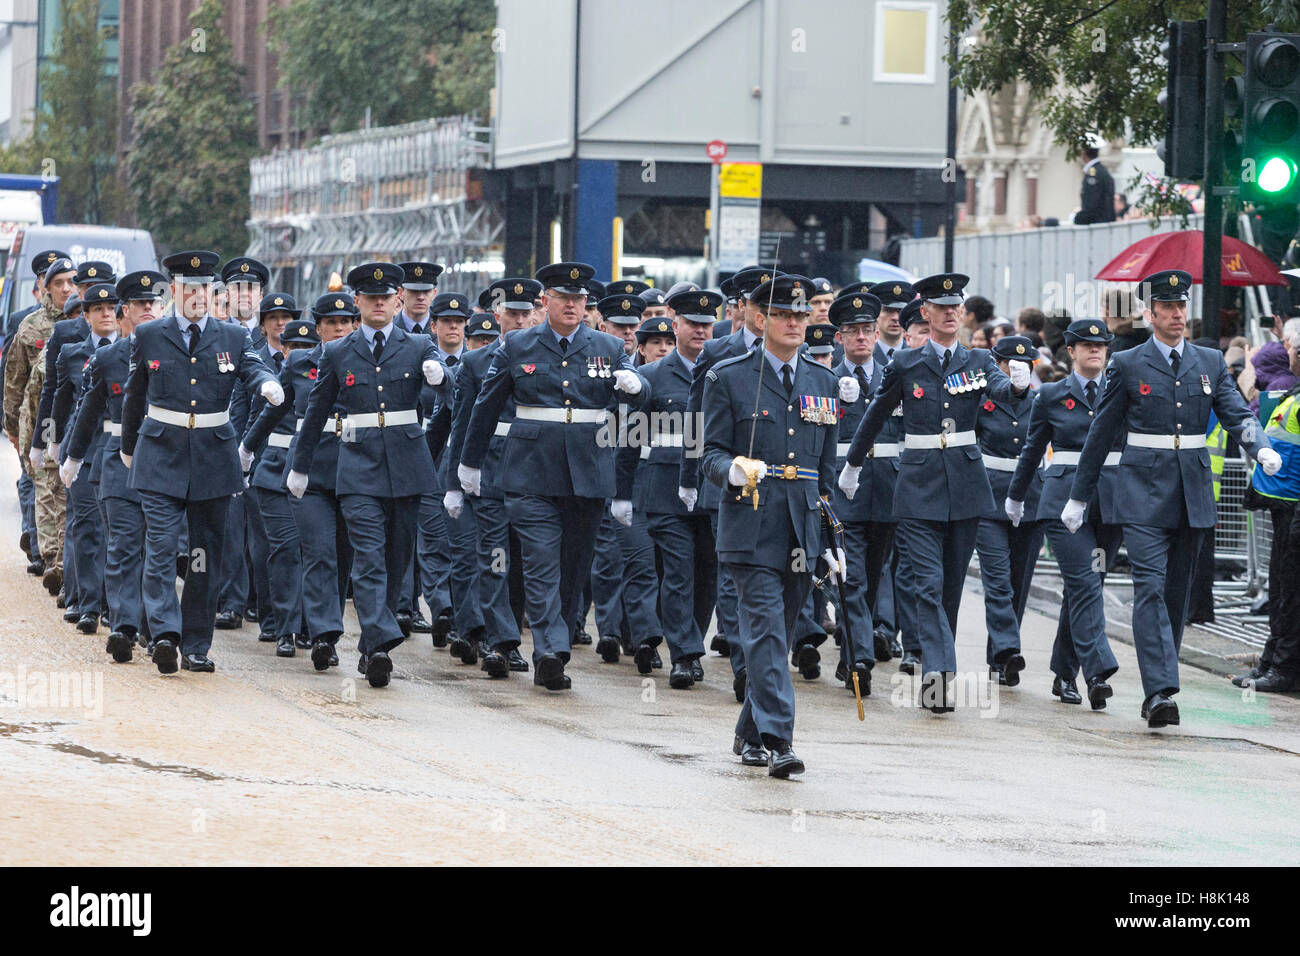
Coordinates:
<point>369,333</point>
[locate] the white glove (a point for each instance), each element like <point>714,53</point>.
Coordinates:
<point>688,497</point>
<point>1015,510</point>
<point>1072,515</point>
<point>626,381</point>
<point>272,392</point>
<point>848,480</point>
<point>36,456</point>
<point>453,502</point>
<point>1268,459</point>
<point>68,472</point>
<point>836,565</point>
<point>849,390</point>
<point>470,479</point>
<point>126,459</point>
<point>434,373</point>
<point>1019,374</point>
<point>296,483</point>
<point>622,511</point>
<point>245,459</point>
<point>736,475</point>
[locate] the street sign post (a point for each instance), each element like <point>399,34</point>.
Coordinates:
<point>716,150</point>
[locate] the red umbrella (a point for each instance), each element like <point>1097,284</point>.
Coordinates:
<point>1242,264</point>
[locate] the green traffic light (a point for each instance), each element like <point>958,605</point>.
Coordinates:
<point>1277,174</point>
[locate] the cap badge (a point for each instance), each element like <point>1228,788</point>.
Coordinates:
<point>194,262</point>
<point>663,326</point>
<point>378,274</point>
<point>1094,330</point>
<point>898,290</point>
<point>144,281</point>
<point>627,288</point>
<point>51,257</point>
<point>519,288</point>
<point>302,330</point>
<point>103,293</point>
<point>278,301</point>
<point>573,273</point>
<point>947,283</point>
<point>90,271</point>
<point>243,267</point>
<point>1173,280</point>
<point>1020,350</point>
<point>626,305</point>
<point>338,304</point>
<point>419,270</point>
<point>857,303</point>
<point>487,324</point>
<point>765,278</point>
<point>817,334</point>
<point>454,303</point>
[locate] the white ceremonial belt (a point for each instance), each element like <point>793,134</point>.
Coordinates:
<point>1072,458</point>
<point>188,419</point>
<point>332,426</point>
<point>997,463</point>
<point>662,441</point>
<point>113,428</point>
<point>502,429</point>
<point>537,413</point>
<point>1170,442</point>
<point>878,450</point>
<point>941,440</point>
<point>279,441</point>
<point>404,416</point>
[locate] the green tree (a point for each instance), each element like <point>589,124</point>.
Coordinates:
<point>74,132</point>
<point>193,135</point>
<point>404,59</point>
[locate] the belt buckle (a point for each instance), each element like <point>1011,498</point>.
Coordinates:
<point>871,452</point>
<point>191,421</point>
<point>381,419</point>
<point>338,426</point>
<point>568,416</point>
<point>943,440</point>
<point>790,472</point>
<point>1178,439</point>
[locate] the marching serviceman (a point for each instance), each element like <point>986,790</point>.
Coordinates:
<point>893,296</point>
<point>1061,415</point>
<point>384,463</point>
<point>916,332</point>
<point>772,465</point>
<point>941,386</point>
<point>563,377</point>
<point>1161,394</point>
<point>105,394</point>
<point>178,441</point>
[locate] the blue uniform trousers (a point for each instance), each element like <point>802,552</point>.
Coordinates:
<point>166,519</point>
<point>1163,561</point>
<point>323,535</point>
<point>284,561</point>
<point>27,514</point>
<point>124,567</point>
<point>462,564</point>
<point>494,567</point>
<point>382,533</point>
<point>234,570</point>
<point>258,562</point>
<point>939,553</point>
<point>606,584</point>
<point>86,549</point>
<point>883,600</point>
<point>728,613</point>
<point>557,537</point>
<point>640,581</point>
<point>688,589</point>
<point>430,571</point>
<point>769,601</point>
<point>905,597</point>
<point>1081,631</point>
<point>857,608</point>
<point>1007,557</point>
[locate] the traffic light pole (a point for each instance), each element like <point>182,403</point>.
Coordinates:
<point>1212,252</point>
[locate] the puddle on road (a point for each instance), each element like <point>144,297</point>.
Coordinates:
<point>1185,742</point>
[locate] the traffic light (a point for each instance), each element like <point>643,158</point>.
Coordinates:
<point>1270,116</point>
<point>1183,98</point>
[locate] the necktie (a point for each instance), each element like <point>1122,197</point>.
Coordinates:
<point>379,345</point>
<point>194,337</point>
<point>103,340</point>
<point>1174,360</point>
<point>787,378</point>
<point>279,361</point>
<point>450,360</point>
<point>889,354</point>
<point>564,346</point>
<point>416,330</point>
<point>947,357</point>
<point>1091,391</point>
<point>862,379</point>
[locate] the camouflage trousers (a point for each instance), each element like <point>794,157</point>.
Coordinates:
<point>51,506</point>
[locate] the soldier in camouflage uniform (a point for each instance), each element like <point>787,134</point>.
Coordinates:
<point>24,376</point>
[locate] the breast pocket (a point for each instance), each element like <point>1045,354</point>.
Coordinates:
<point>402,385</point>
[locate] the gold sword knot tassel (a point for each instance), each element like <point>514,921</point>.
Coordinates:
<point>754,470</point>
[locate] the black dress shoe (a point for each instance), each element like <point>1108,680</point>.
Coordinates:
<point>580,637</point>
<point>550,673</point>
<point>697,670</point>
<point>361,664</point>
<point>72,615</point>
<point>321,652</point>
<point>1067,691</point>
<point>864,679</point>
<point>751,754</point>
<point>781,760</point>
<point>419,623</point>
<point>53,581</point>
<point>302,641</point>
<point>808,661</point>
<point>1274,681</point>
<point>719,645</point>
<point>642,658</point>
<point>88,623</point>
<point>182,565</point>
<point>656,662</point>
<point>495,664</point>
<point>164,656</point>
<point>1255,673</point>
<point>880,645</point>
<point>910,663</point>
<point>379,666</point>
<point>484,649</point>
<point>517,662</point>
<point>334,656</point>
<point>1012,667</point>
<point>1098,692</point>
<point>36,567</point>
<point>462,647</point>
<point>119,645</point>
<point>996,673</point>
<point>284,646</point>
<point>628,647</point>
<point>934,693</point>
<point>1160,711</point>
<point>228,621</point>
<point>738,687</point>
<point>680,677</point>
<point>404,624</point>
<point>441,628</point>
<point>197,662</point>
<point>24,541</point>
<point>895,646</point>
<point>250,614</point>
<point>266,637</point>
<point>608,649</point>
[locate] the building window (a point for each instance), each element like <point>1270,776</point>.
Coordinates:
<point>906,47</point>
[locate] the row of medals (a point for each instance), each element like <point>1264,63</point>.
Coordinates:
<point>966,382</point>
<point>598,367</point>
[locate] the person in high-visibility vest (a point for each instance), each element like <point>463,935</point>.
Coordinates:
<point>1200,605</point>
<point>1279,664</point>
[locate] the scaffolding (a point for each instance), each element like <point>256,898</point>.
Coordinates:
<point>393,193</point>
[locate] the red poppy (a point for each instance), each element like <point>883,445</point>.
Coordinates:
<point>842,413</point>
<point>528,368</point>
<point>1069,403</point>
<point>989,406</point>
<point>918,392</point>
<point>85,365</point>
<point>312,373</point>
<point>40,343</point>
<point>116,389</point>
<point>153,365</point>
<point>349,380</point>
<point>1144,388</point>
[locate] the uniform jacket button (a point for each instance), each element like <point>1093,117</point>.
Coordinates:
<point>791,431</point>
<point>380,387</point>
